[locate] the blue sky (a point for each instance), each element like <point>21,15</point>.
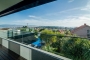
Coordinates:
<point>68,13</point>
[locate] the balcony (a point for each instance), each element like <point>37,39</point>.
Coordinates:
<point>14,50</point>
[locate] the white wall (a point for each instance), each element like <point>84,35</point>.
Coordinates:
<point>25,52</point>
<point>5,43</point>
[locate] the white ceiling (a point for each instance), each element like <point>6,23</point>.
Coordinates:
<point>4,4</point>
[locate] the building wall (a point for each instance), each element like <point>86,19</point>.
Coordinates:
<point>3,33</point>
<point>82,32</point>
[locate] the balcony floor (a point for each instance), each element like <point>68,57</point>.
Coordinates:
<point>6,54</point>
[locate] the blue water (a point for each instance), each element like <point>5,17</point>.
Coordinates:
<point>37,43</point>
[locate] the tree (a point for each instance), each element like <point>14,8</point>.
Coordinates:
<point>24,27</point>
<point>67,32</point>
<point>77,48</point>
<point>48,36</point>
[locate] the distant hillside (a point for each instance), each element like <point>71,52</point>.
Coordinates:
<point>55,27</point>
<point>9,26</point>
<point>12,26</point>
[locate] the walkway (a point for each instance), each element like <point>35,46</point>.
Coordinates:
<point>6,54</point>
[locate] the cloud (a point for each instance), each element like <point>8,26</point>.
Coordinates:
<point>32,22</point>
<point>81,8</point>
<point>87,6</point>
<point>32,16</point>
<point>71,21</point>
<point>70,10</point>
<point>37,18</point>
<point>70,1</point>
<point>64,11</point>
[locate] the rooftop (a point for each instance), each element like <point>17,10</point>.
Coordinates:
<point>80,27</point>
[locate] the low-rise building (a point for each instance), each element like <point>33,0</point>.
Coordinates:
<point>82,31</point>
<point>4,32</point>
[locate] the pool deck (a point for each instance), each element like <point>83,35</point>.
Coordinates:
<point>6,54</point>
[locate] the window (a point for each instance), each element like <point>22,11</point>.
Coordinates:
<point>88,31</point>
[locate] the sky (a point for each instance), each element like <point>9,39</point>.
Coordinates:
<point>66,13</point>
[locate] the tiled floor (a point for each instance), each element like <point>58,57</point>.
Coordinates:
<point>6,54</point>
